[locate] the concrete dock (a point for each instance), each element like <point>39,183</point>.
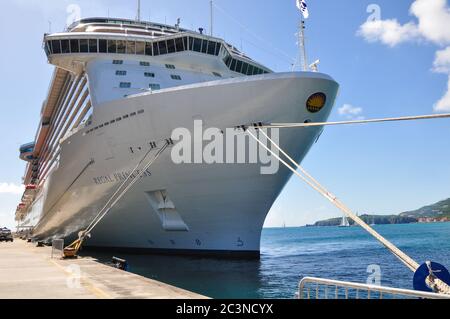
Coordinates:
<point>29,272</point>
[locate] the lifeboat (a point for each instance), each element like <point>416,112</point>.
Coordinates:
<point>30,190</point>
<point>26,152</point>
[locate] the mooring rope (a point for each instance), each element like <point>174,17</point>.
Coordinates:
<point>112,202</point>
<point>122,184</point>
<point>306,177</point>
<point>389,119</point>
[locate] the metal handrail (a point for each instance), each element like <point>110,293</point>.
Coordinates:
<point>381,290</point>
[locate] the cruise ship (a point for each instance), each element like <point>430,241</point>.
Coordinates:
<point>119,88</point>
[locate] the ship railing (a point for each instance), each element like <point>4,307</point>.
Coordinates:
<point>318,288</point>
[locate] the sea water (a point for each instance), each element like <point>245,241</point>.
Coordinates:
<point>288,254</point>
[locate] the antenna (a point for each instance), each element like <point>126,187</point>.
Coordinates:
<point>138,16</point>
<point>211,21</point>
<point>303,61</point>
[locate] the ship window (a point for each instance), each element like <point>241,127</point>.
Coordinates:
<point>191,43</point>
<point>48,48</point>
<point>217,74</point>
<point>218,46</point>
<point>93,46</point>
<point>197,45</point>
<point>148,48</point>
<point>65,46</point>
<point>185,42</point>
<point>162,47</point>
<point>179,44</point>
<point>102,46</point>
<point>245,68</point>
<point>125,85</point>
<point>155,49</point>
<point>118,119</point>
<point>100,126</point>
<point>175,77</point>
<point>112,121</point>
<point>238,66</point>
<point>112,46</point>
<point>56,46</point>
<point>131,47</point>
<point>149,74</point>
<point>125,116</point>
<point>211,47</point>
<point>171,46</point>
<point>154,86</point>
<point>204,46</point>
<point>84,45</point>
<point>121,73</point>
<point>106,124</point>
<point>140,111</point>
<point>117,61</point>
<point>250,69</point>
<point>74,46</point>
<point>170,66</point>
<point>143,63</point>
<point>133,114</point>
<point>227,60</point>
<point>233,65</point>
<point>140,48</point>
<point>121,46</point>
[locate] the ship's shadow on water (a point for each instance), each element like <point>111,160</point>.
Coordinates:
<point>289,254</point>
<point>211,276</point>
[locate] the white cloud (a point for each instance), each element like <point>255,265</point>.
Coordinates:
<point>433,24</point>
<point>443,105</point>
<point>351,112</point>
<point>10,188</point>
<point>389,32</point>
<point>434,19</point>
<point>441,62</point>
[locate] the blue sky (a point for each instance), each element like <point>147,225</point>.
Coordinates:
<point>398,64</point>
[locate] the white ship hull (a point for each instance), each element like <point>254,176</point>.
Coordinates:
<point>220,207</point>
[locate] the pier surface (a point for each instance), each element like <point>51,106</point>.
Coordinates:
<point>29,272</point>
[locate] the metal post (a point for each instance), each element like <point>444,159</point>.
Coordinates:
<point>138,17</point>
<point>301,42</point>
<point>211,21</point>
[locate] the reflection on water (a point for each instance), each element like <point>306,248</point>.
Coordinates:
<point>212,277</point>
<point>291,253</point>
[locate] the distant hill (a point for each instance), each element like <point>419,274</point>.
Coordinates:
<point>371,219</point>
<point>440,209</point>
<point>431,213</point>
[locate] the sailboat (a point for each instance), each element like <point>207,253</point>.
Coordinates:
<point>344,222</point>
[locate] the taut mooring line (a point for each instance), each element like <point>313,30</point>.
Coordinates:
<point>306,177</point>
<point>114,199</point>
<point>389,119</point>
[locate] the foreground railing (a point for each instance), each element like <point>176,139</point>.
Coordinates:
<point>317,288</point>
